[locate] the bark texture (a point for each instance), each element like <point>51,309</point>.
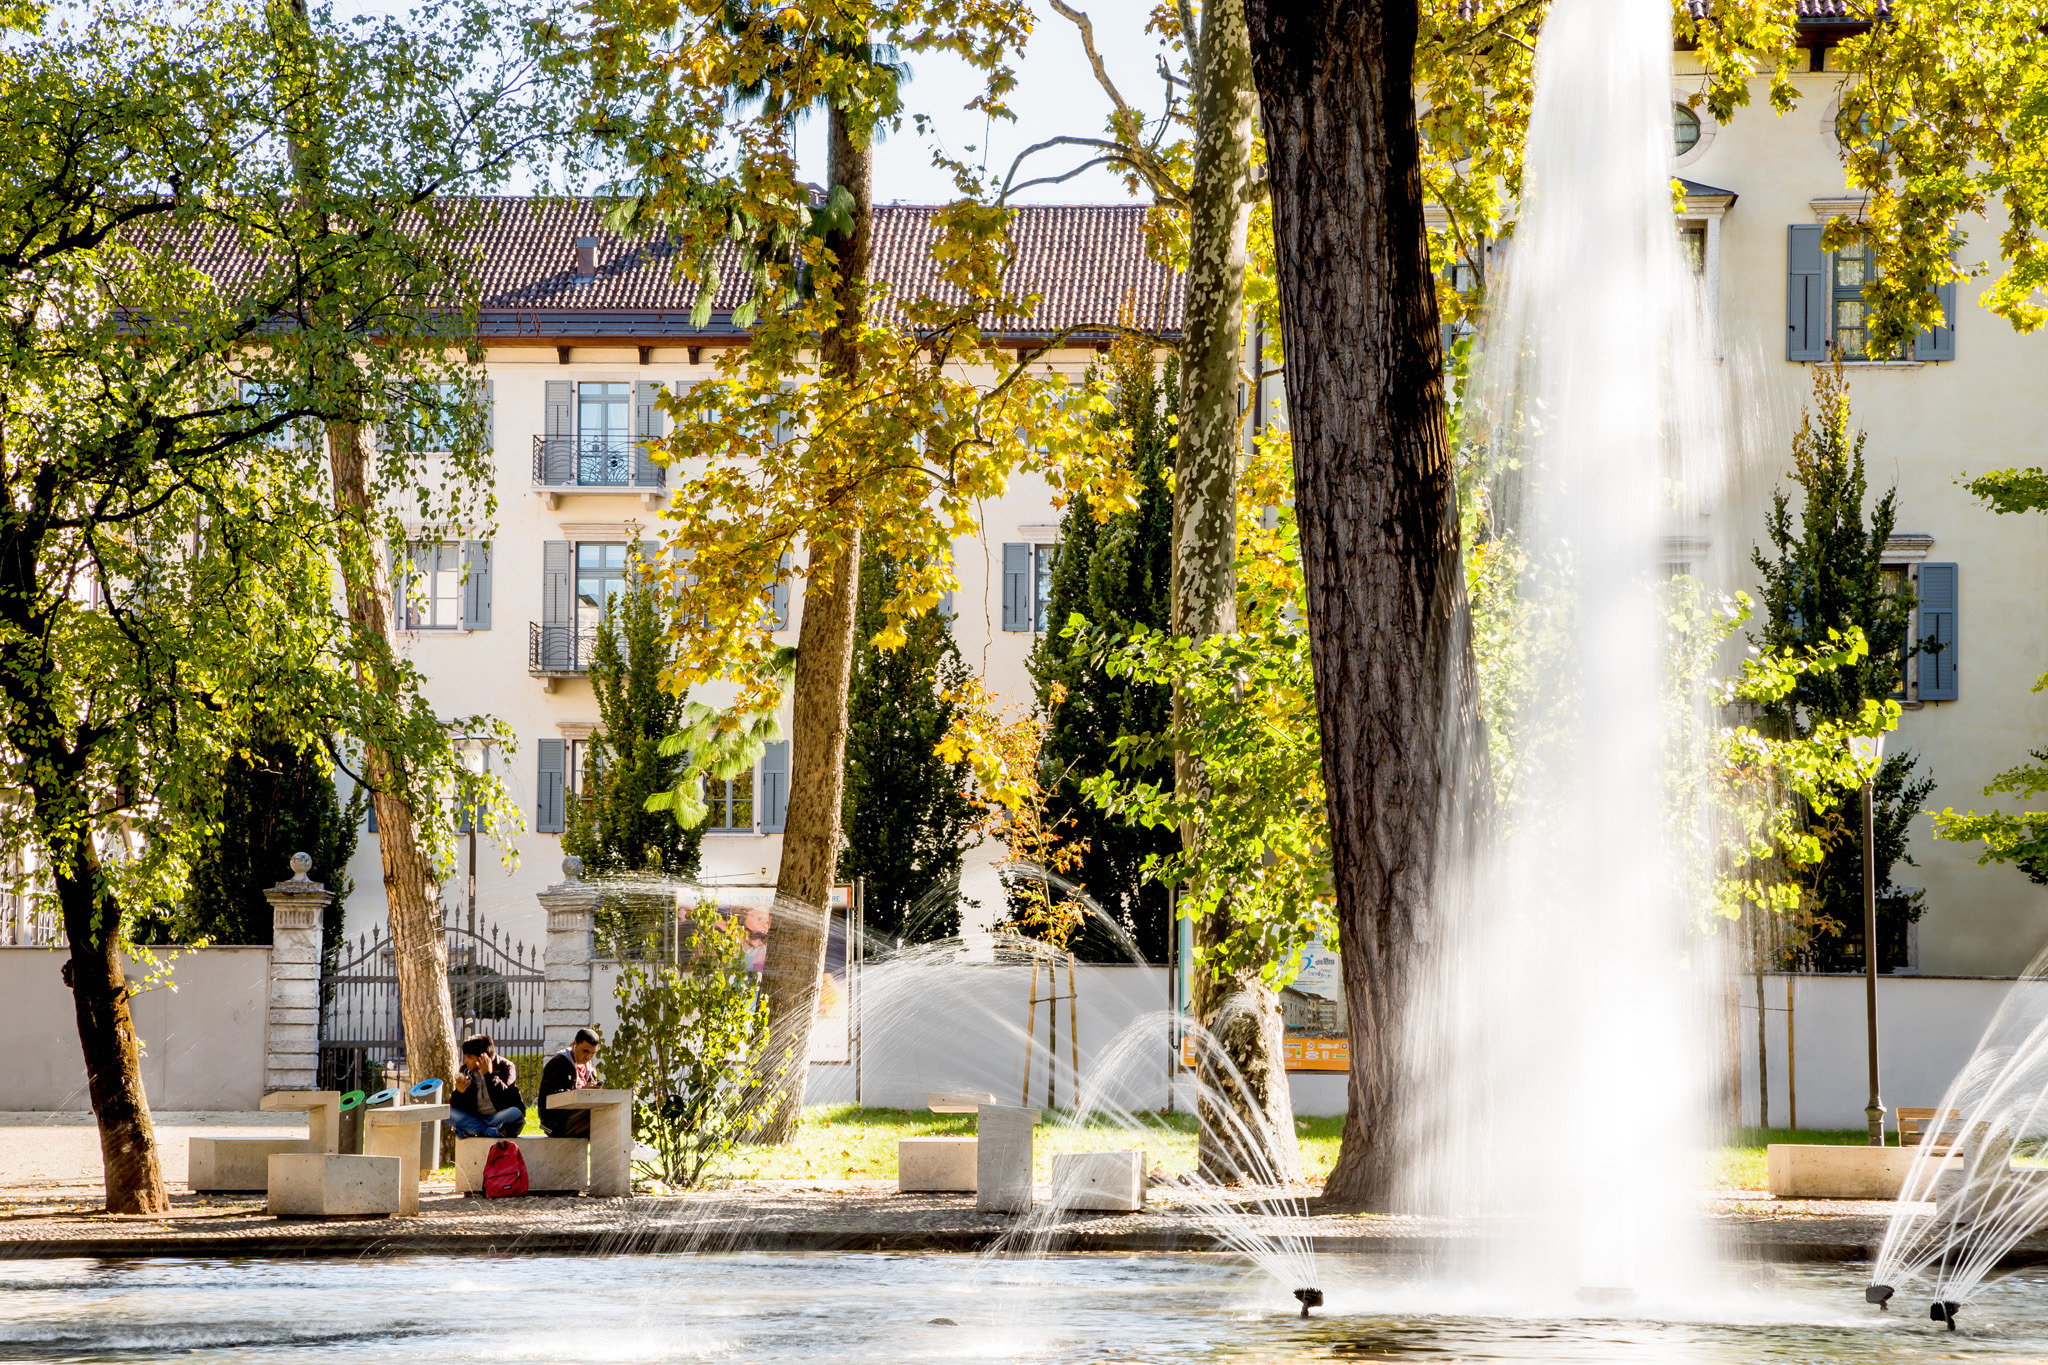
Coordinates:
<point>1239,1009</point>
<point>412,893</point>
<point>106,1033</point>
<point>1402,742</point>
<point>824,663</point>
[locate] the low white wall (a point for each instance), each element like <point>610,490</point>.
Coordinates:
<point>1927,1027</point>
<point>961,1026</point>
<point>203,1043</point>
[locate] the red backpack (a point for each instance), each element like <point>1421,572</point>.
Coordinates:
<point>504,1171</point>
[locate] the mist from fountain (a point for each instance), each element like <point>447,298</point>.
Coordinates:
<point>1559,1044</point>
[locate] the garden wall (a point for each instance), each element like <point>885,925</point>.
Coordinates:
<point>1927,1027</point>
<point>203,1043</point>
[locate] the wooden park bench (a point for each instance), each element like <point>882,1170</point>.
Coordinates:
<point>1915,1123</point>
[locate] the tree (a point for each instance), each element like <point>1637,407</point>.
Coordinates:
<point>610,826</point>
<point>801,442</point>
<point>274,799</point>
<point>1826,574</point>
<point>907,814</point>
<point>1116,575</point>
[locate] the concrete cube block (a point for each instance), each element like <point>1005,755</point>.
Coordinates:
<point>936,1164</point>
<point>553,1165</point>
<point>1002,1158</point>
<point>1108,1181</point>
<point>324,1185</point>
<point>214,1164</point>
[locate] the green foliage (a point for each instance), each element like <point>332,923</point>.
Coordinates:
<point>2021,839</point>
<point>710,743</point>
<point>689,1030</point>
<point>611,827</point>
<point>1826,577</point>
<point>1116,575</point>
<point>906,814</point>
<point>274,800</point>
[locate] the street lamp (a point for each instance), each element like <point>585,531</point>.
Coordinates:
<point>1869,751</point>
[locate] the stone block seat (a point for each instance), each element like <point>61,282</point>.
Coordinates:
<point>940,1165</point>
<point>395,1131</point>
<point>1002,1158</point>
<point>221,1164</point>
<point>1110,1182</point>
<point>553,1165</point>
<point>611,1138</point>
<point>330,1185</point>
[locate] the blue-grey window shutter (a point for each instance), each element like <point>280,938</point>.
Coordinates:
<point>778,596</point>
<point>401,569</point>
<point>476,585</point>
<point>558,446</point>
<point>648,425</point>
<point>548,811</point>
<point>491,414</point>
<point>775,787</point>
<point>1938,600</point>
<point>557,606</point>
<point>1016,587</point>
<point>372,808</point>
<point>1806,294</point>
<point>945,607</point>
<point>1939,343</point>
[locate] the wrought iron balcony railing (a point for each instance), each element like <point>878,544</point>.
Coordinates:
<point>594,462</point>
<point>554,650</point>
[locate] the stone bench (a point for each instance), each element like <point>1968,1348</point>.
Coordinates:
<point>1002,1158</point>
<point>395,1131</point>
<point>1109,1182</point>
<point>611,1137</point>
<point>215,1165</point>
<point>330,1185</point>
<point>553,1165</point>
<point>941,1165</point>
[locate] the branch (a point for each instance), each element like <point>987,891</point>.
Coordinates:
<point>1081,21</point>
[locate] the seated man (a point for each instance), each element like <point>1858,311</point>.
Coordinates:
<point>569,1069</point>
<point>485,1101</point>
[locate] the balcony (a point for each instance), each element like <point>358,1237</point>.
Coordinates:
<point>556,652</point>
<point>565,465</point>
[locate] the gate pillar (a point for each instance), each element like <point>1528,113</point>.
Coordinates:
<point>566,998</point>
<point>292,1046</point>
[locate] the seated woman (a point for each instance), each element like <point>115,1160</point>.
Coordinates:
<point>485,1101</point>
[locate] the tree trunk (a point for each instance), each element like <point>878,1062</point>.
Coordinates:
<point>106,1033</point>
<point>412,893</point>
<point>1236,1007</point>
<point>1402,741</point>
<point>824,661</point>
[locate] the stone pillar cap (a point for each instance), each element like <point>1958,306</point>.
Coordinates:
<point>299,883</point>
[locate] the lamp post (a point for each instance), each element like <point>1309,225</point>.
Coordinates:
<point>1869,752</point>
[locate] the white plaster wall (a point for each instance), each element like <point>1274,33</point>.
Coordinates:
<point>961,1026</point>
<point>203,1042</point>
<point>1927,427</point>
<point>1927,1027</point>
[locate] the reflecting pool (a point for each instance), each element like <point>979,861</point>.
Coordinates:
<point>772,1308</point>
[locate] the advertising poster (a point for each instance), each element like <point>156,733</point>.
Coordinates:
<point>1311,1006</point>
<point>832,1033</point>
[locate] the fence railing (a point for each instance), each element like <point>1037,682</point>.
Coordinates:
<point>594,462</point>
<point>558,649</point>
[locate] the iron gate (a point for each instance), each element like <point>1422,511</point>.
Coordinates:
<point>496,985</point>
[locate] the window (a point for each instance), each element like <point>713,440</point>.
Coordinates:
<point>1685,130</point>
<point>582,764</point>
<point>1825,314</point>
<point>1042,557</point>
<point>732,803</point>
<point>1854,267</point>
<point>1692,244</point>
<point>433,597</point>
<point>600,575</point>
<point>604,414</point>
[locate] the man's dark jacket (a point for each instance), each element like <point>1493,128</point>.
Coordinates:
<point>557,1074</point>
<point>503,1081</point>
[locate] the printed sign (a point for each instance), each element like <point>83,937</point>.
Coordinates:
<point>1311,1006</point>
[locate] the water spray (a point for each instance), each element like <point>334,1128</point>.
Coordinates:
<point>1877,1294</point>
<point>1310,1298</point>
<point>1944,1310</point>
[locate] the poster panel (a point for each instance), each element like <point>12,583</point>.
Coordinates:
<point>1311,1007</point>
<point>832,1030</point>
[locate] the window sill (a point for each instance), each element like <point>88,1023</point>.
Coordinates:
<point>1877,364</point>
<point>734,834</point>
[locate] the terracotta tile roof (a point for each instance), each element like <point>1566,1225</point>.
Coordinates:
<point>1087,261</point>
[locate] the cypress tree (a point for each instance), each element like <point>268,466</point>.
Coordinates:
<point>275,800</point>
<point>609,827</point>
<point>906,812</point>
<point>1827,572</point>
<point>1118,575</point>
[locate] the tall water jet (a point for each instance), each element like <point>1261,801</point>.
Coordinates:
<point>1561,1037</point>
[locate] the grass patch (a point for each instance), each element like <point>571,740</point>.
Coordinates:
<point>842,1142</point>
<point>1740,1164</point>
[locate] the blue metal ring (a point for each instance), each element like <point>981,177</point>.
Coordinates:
<point>423,1088</point>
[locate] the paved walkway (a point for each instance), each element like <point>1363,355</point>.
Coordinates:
<point>47,1156</point>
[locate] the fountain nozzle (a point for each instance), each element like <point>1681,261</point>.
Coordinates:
<point>1877,1294</point>
<point>1944,1310</point>
<point>1310,1298</point>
